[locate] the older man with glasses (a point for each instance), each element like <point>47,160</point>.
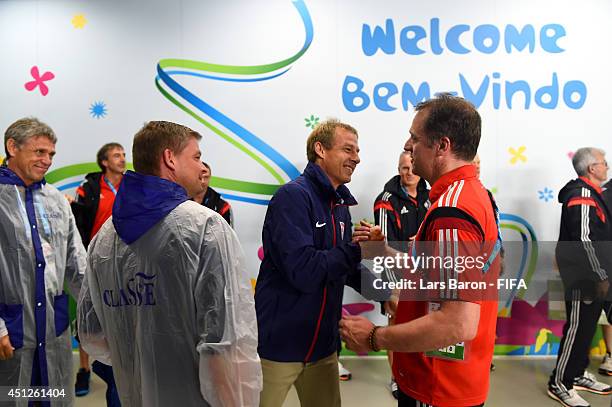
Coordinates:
<point>583,256</point>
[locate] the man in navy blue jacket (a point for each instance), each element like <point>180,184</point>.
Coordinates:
<point>308,258</point>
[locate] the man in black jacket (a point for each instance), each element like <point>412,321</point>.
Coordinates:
<point>402,205</point>
<point>212,199</point>
<point>605,368</point>
<point>583,257</point>
<point>95,197</point>
<point>91,208</point>
<point>399,211</point>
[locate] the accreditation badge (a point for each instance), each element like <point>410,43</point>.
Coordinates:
<point>455,352</point>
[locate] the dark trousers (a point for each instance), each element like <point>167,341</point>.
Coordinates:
<point>578,331</point>
<point>405,400</point>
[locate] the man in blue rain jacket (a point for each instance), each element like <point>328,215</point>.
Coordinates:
<point>308,258</point>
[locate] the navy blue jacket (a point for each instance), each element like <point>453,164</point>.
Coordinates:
<point>308,258</point>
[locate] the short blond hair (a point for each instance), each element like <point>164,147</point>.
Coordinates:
<point>325,133</point>
<point>155,137</point>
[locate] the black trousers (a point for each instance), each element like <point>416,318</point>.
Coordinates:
<point>405,400</point>
<point>578,331</point>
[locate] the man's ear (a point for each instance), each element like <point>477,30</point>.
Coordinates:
<point>169,159</point>
<point>319,150</point>
<point>590,169</point>
<point>11,147</point>
<point>444,144</point>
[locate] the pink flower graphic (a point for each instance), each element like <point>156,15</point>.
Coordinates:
<point>39,81</point>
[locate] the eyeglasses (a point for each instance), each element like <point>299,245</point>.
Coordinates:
<point>605,163</point>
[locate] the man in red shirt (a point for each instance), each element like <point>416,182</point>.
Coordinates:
<point>92,207</point>
<point>443,340</point>
<point>95,197</point>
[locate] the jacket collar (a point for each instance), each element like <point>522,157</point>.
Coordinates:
<point>141,202</point>
<point>464,172</point>
<point>8,177</point>
<point>596,187</point>
<point>394,187</point>
<point>317,176</point>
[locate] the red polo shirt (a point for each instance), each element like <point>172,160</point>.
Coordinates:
<point>446,382</point>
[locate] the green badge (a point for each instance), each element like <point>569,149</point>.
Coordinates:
<point>455,352</point>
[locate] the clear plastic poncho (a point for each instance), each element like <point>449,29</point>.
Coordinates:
<point>41,252</point>
<point>173,312</point>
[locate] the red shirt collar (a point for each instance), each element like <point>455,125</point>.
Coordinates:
<point>442,184</point>
<point>594,186</point>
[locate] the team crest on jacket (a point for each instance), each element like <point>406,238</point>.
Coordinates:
<point>341,230</point>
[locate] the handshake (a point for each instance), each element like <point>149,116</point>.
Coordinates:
<point>371,240</point>
<point>358,332</point>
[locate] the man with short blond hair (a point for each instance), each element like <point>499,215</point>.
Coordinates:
<point>41,252</point>
<point>172,312</point>
<point>308,258</point>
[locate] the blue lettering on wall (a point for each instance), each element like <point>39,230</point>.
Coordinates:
<point>452,39</point>
<point>485,38</point>
<point>549,35</point>
<point>356,94</point>
<point>410,37</point>
<point>383,39</point>
<point>412,97</point>
<point>349,96</point>
<point>519,39</point>
<point>382,93</point>
<point>463,39</point>
<point>485,32</point>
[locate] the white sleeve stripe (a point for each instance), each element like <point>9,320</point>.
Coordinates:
<point>383,226</point>
<point>441,254</point>
<point>588,245</point>
<point>455,253</point>
<point>451,190</point>
<point>448,246</point>
<point>458,192</point>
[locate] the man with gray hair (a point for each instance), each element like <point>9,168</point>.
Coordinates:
<point>583,257</point>
<point>41,252</point>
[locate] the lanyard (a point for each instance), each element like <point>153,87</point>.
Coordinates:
<point>110,185</point>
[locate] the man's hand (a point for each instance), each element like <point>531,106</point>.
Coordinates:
<point>367,232</point>
<point>361,233</point>
<point>355,331</point>
<point>69,198</point>
<point>370,239</point>
<point>6,349</point>
<point>391,306</point>
<point>601,290</point>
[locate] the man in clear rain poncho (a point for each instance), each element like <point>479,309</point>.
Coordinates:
<point>166,299</point>
<point>41,251</point>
